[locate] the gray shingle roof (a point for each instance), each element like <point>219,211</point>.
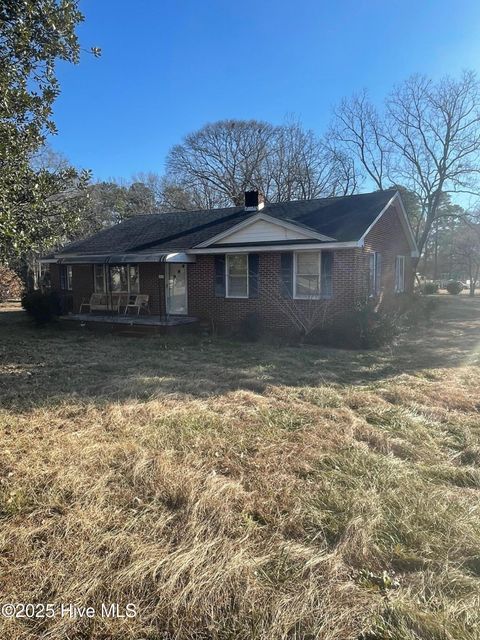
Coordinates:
<point>344,218</point>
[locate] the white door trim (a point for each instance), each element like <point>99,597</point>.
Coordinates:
<point>168,266</point>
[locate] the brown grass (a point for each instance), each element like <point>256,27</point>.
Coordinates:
<point>242,491</point>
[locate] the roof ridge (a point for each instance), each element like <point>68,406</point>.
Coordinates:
<point>267,203</point>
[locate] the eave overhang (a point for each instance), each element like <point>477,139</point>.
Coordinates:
<point>121,258</point>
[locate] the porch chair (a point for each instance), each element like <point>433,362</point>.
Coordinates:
<point>119,301</point>
<point>138,302</point>
<point>96,302</point>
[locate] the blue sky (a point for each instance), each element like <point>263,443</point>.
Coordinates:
<point>170,66</point>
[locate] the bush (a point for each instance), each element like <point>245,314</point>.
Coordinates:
<point>367,327</point>
<point>371,325</point>
<point>10,284</point>
<point>454,287</point>
<point>430,288</point>
<point>42,307</point>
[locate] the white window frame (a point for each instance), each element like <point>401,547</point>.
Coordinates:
<point>68,277</point>
<point>137,266</point>
<point>227,258</point>
<point>315,296</point>
<point>95,266</point>
<point>399,287</point>
<point>106,278</point>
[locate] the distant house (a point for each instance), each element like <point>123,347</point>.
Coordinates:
<point>222,265</point>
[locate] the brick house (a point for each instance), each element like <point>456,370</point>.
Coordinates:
<point>271,260</point>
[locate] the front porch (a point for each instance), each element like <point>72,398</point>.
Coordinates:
<point>119,321</point>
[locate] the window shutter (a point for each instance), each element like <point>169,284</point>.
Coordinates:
<point>326,274</point>
<point>253,261</point>
<point>63,277</point>
<point>378,272</point>
<point>286,268</point>
<point>220,276</point>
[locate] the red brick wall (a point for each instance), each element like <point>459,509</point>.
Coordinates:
<point>350,281</point>
<point>269,305</point>
<point>389,239</point>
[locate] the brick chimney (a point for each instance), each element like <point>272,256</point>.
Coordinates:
<point>254,200</point>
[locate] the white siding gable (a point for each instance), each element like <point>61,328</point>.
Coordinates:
<point>263,231</point>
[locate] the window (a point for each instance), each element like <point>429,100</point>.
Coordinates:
<point>133,281</point>
<point>66,277</point>
<point>237,275</point>
<point>307,272</point>
<point>122,278</point>
<point>118,278</point>
<point>99,274</point>
<point>400,274</point>
<point>326,274</point>
<point>374,275</point>
<point>44,279</point>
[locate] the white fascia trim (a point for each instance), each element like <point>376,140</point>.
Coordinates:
<point>278,247</point>
<point>266,218</point>
<point>396,199</point>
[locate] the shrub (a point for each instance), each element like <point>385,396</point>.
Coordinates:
<point>454,287</point>
<point>10,284</point>
<point>430,288</point>
<point>373,325</point>
<point>366,327</point>
<point>42,307</point>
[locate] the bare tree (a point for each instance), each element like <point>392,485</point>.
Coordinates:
<point>300,166</point>
<point>358,129</point>
<point>169,195</point>
<point>221,160</point>
<point>216,164</point>
<point>427,139</point>
<point>434,129</point>
<point>466,253</point>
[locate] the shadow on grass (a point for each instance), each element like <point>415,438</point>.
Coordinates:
<point>40,367</point>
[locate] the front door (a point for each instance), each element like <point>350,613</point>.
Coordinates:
<point>176,288</point>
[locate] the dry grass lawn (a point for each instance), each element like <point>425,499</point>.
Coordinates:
<point>235,491</point>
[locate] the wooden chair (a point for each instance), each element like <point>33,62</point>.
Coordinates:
<point>138,302</point>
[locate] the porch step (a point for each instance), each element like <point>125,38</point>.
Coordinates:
<point>133,325</point>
